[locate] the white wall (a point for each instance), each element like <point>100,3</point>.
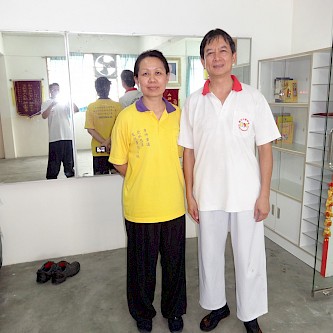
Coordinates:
<point>312,25</point>
<point>62,217</point>
<point>55,218</point>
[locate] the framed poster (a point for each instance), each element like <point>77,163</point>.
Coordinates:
<point>175,72</point>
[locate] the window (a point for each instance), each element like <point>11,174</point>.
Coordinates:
<point>84,70</point>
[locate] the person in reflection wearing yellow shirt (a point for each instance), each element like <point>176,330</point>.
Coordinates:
<point>100,118</point>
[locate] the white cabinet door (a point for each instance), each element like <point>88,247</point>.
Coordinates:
<point>270,220</point>
<point>288,218</point>
<point>284,217</point>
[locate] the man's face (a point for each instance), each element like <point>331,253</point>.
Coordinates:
<point>54,91</point>
<point>218,58</point>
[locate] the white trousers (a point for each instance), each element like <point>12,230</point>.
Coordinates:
<point>248,243</point>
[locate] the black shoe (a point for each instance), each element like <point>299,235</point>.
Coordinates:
<point>209,322</point>
<point>45,273</point>
<point>144,325</point>
<point>64,270</point>
<point>175,324</point>
<point>252,326</point>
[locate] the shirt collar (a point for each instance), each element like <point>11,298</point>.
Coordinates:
<point>237,86</point>
<point>142,108</point>
<point>130,89</point>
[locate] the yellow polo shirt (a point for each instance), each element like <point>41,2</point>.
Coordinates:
<point>154,185</point>
<point>101,116</point>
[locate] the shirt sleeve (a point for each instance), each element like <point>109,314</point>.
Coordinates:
<point>266,129</point>
<point>89,124</point>
<point>120,142</point>
<point>119,109</point>
<point>45,105</point>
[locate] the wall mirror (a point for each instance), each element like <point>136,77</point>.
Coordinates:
<point>75,60</point>
<point>24,72</point>
<point>93,55</point>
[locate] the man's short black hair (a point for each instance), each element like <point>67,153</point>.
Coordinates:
<point>128,77</point>
<point>102,85</point>
<point>214,34</point>
<point>102,82</point>
<point>55,84</point>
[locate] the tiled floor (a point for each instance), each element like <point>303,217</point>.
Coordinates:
<point>34,168</point>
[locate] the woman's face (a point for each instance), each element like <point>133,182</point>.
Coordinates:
<point>152,77</point>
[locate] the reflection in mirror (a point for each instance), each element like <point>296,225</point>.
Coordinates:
<point>29,62</point>
<point>41,58</point>
<point>92,56</point>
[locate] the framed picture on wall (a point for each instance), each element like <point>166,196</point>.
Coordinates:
<point>175,72</point>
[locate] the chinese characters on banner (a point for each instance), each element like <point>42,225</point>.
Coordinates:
<point>28,97</point>
<point>171,95</point>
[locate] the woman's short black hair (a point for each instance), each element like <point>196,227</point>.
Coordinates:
<point>214,34</point>
<point>153,54</point>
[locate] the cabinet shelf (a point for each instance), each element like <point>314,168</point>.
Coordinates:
<point>326,178</point>
<point>321,67</point>
<point>311,249</point>
<point>320,194</point>
<point>289,105</point>
<point>314,220</point>
<point>321,164</point>
<point>288,188</point>
<point>322,115</point>
<point>293,148</point>
<point>318,132</point>
<point>315,207</point>
<point>313,235</point>
<point>321,148</point>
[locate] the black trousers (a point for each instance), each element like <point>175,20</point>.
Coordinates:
<point>102,166</point>
<point>60,152</point>
<point>145,242</point>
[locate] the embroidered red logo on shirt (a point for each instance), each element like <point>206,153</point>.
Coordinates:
<point>243,124</point>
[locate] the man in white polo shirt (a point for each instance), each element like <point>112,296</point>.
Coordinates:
<point>58,114</point>
<point>131,93</point>
<point>227,188</point>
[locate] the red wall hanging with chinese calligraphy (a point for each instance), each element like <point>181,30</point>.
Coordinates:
<point>28,97</point>
<point>171,95</point>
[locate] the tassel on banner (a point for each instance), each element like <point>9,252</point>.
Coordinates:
<point>327,228</point>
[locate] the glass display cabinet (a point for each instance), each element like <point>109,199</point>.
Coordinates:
<point>297,89</point>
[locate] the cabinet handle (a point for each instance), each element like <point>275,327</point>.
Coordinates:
<point>330,148</point>
<point>278,213</point>
<point>273,209</point>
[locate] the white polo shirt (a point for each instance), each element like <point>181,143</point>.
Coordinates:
<point>59,121</point>
<point>131,96</point>
<point>223,136</point>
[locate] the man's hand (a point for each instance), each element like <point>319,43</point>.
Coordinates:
<point>192,209</point>
<point>261,209</point>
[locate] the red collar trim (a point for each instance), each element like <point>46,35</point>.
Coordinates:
<point>237,86</point>
<point>131,89</point>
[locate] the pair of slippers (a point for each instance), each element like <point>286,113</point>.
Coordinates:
<point>58,272</point>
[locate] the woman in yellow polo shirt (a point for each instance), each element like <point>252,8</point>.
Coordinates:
<point>145,151</point>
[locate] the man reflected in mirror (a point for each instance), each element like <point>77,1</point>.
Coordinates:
<point>100,118</point>
<point>132,94</point>
<point>58,114</point>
